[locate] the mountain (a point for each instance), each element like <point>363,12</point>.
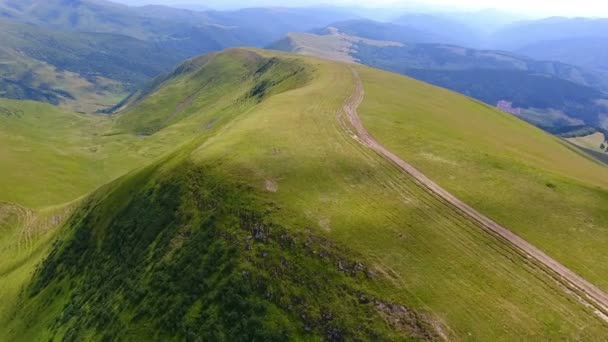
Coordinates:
<point>589,52</point>
<point>455,32</point>
<point>470,29</point>
<point>89,54</point>
<point>578,41</point>
<point>270,24</point>
<point>522,34</point>
<point>486,21</point>
<point>78,15</point>
<point>551,95</point>
<point>166,23</point>
<point>240,200</point>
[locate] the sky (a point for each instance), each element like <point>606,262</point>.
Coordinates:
<point>592,8</point>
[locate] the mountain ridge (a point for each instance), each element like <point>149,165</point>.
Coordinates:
<point>266,213</point>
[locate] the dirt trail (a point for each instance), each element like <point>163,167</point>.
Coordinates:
<point>583,289</point>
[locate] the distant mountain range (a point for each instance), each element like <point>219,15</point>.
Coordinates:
<point>578,41</point>
<point>89,54</point>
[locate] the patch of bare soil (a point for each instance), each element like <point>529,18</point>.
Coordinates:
<point>271,186</point>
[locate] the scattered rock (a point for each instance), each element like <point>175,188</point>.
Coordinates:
<point>402,319</point>
<point>363,299</point>
<point>258,232</point>
<point>353,269</point>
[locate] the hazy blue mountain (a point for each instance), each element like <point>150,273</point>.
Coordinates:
<point>61,66</point>
<point>161,22</point>
<point>485,21</point>
<point>454,31</point>
<point>549,94</point>
<point>470,29</point>
<point>522,34</point>
<point>591,52</point>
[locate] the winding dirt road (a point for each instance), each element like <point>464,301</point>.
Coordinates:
<point>583,290</point>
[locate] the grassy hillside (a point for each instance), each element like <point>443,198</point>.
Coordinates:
<point>203,262</point>
<point>528,181</point>
<point>212,82</point>
<point>267,306</point>
<point>50,156</point>
<point>273,222</point>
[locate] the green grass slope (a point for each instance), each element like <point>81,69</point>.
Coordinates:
<point>201,262</point>
<point>49,159</point>
<point>50,156</point>
<point>271,222</point>
<point>527,180</point>
<point>223,212</point>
